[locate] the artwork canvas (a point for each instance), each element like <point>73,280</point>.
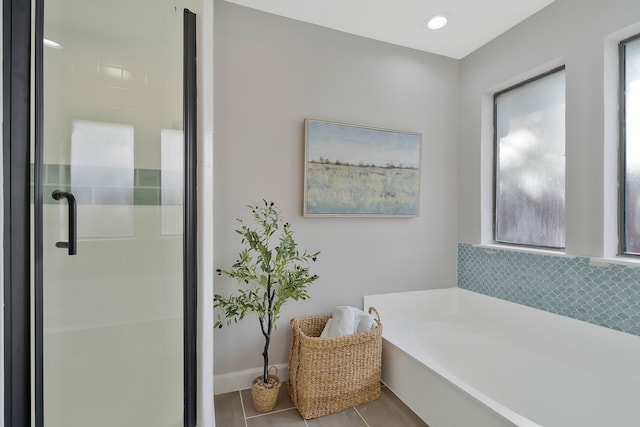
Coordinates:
<point>353,170</point>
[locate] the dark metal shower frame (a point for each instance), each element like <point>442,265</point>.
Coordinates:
<point>17,29</point>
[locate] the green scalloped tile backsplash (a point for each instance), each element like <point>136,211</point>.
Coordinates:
<point>608,296</point>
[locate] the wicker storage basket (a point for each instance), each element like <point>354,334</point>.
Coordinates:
<point>328,375</point>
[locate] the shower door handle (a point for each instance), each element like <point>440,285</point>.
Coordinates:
<point>72,244</point>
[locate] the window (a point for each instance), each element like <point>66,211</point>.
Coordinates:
<point>630,146</point>
<point>529,134</point>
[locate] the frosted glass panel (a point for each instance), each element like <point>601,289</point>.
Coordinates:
<point>632,146</point>
<point>102,155</point>
<point>112,122</point>
<point>530,174</point>
<point>172,160</point>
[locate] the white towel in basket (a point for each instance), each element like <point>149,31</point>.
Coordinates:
<point>346,320</point>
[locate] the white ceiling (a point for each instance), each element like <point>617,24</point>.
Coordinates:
<point>472,23</point>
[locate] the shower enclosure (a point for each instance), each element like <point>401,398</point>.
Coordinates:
<point>114,228</point>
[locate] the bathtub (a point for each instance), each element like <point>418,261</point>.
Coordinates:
<point>458,358</point>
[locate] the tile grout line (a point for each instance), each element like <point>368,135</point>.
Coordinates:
<point>270,412</point>
<point>361,417</point>
<point>244,413</point>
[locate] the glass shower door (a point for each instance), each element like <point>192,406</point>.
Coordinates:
<point>113,194</point>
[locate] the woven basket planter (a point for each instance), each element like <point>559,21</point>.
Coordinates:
<point>328,375</point>
<point>265,399</point>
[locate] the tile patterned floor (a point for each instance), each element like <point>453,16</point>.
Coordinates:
<point>235,409</point>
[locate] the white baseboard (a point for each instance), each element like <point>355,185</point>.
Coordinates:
<point>240,380</point>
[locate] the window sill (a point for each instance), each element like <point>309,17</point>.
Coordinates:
<point>593,261</point>
<point>551,252</point>
<point>619,260</point>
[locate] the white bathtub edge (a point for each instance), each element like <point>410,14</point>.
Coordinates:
<point>561,340</point>
<point>399,383</point>
<point>501,411</point>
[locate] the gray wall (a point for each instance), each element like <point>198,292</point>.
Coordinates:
<point>581,34</point>
<point>271,73</point>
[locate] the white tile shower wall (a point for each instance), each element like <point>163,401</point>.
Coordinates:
<point>607,296</point>
<point>110,281</point>
<point>93,78</point>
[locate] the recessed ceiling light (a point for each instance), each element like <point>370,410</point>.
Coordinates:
<point>51,44</point>
<point>436,22</point>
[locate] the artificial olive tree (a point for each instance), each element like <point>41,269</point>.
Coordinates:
<point>269,270</point>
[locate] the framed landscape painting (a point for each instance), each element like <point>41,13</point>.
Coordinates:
<point>353,170</point>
